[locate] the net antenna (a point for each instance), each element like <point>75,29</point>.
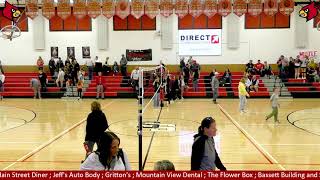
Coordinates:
<point>159,70</point>
<point>12,31</point>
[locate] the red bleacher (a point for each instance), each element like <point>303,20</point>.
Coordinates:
<point>18,85</point>
<point>117,84</point>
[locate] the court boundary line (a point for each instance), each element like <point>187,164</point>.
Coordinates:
<point>45,144</point>
<point>265,153</point>
<point>293,123</point>
<point>26,121</point>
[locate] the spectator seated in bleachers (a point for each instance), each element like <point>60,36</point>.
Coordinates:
<point>226,78</point>
<point>312,75</point>
<point>250,67</point>
<point>266,70</point>
<point>258,68</point>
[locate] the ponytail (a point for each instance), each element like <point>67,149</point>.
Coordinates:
<point>205,123</point>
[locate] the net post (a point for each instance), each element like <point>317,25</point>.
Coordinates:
<point>140,105</point>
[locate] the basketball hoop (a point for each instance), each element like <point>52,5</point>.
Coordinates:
<point>10,32</point>
<point>318,26</point>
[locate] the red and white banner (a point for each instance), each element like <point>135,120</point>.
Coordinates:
<point>166,7</point>
<point>63,9</point>
<point>195,8</point>
<point>32,8</point>
<point>270,7</point>
<point>181,8</point>
<point>108,8</point>
<point>210,8</point>
<point>224,7</point>
<point>239,7</point>
<point>137,8</point>
<point>286,7</point>
<point>160,175</point>
<point>123,8</point>
<point>255,7</point>
<point>79,8</point>
<point>48,9</point>
<point>151,8</point>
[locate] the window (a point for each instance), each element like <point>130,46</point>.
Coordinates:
<point>264,21</point>
<point>22,23</point>
<point>201,22</point>
<point>70,24</point>
<point>132,24</point>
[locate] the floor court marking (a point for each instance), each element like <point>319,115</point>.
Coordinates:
<point>265,153</point>
<point>39,148</point>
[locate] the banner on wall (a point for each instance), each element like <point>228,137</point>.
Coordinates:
<point>86,52</point>
<point>70,52</point>
<point>200,42</point>
<point>139,55</point>
<point>54,52</point>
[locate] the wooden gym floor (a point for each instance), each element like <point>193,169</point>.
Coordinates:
<point>48,134</point>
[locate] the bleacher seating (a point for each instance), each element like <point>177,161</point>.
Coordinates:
<point>118,86</point>
<point>18,85</point>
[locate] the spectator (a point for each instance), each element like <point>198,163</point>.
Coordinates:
<point>135,79</point>
<point>96,124</point>
<point>52,67</point>
<point>242,95</point>
<point>227,78</point>
<point>59,65</point>
<point>100,85</point>
<point>90,65</point>
<point>123,65</point>
<point>40,63</point>
<point>303,67</point>
<point>1,68</point>
<point>250,67</point>
<point>108,155</point>
<point>297,64</point>
<point>2,80</point>
<point>79,88</point>
<point>313,65</point>
<point>291,68</point>
<point>204,155</point>
<point>164,165</point>
<point>60,78</point>
<point>248,83</point>
<point>81,76</point>
<point>98,65</point>
<point>67,61</point>
<point>212,73</point>
<point>267,70</point>
<point>182,85</point>
<point>215,87</point>
<point>258,67</point>
<point>312,75</point>
<point>106,67</point>
<point>186,74</point>
<point>35,85</point>
<point>43,80</point>
<point>190,60</point>
<point>156,86</point>
<point>115,68</point>
<point>255,84</point>
<point>182,64</point>
<point>75,71</point>
<point>195,69</point>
